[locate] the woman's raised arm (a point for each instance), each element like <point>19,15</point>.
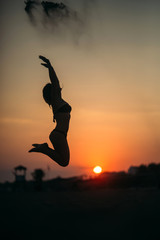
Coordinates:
<point>52,73</point>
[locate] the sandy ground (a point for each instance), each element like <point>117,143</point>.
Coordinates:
<point>101,214</point>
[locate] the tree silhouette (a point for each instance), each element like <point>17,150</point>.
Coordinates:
<point>38,175</point>
<point>154,168</point>
<point>142,169</point>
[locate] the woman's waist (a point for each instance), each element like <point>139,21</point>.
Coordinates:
<point>62,117</point>
<point>62,128</point>
<point>62,120</point>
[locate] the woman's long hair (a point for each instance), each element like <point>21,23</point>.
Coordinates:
<point>47,91</point>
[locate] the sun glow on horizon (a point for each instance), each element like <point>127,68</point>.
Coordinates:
<point>97,169</point>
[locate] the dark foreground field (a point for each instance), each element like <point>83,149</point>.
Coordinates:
<point>101,214</point>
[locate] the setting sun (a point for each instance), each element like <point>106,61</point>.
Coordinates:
<point>97,169</point>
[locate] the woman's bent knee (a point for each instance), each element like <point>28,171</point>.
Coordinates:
<point>65,163</point>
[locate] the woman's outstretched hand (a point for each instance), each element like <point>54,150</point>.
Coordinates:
<point>47,63</point>
<point>53,77</point>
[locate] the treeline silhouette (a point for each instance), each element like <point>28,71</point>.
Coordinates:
<point>143,176</point>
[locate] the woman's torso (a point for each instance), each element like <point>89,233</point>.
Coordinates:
<point>62,116</point>
<point>62,120</point>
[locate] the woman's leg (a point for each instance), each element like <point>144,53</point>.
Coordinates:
<point>61,147</point>
<point>60,154</point>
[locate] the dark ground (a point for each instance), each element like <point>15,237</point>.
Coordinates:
<point>99,214</point>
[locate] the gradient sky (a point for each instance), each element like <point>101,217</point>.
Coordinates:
<point>108,66</point>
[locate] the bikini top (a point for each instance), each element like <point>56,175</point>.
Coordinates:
<point>65,108</point>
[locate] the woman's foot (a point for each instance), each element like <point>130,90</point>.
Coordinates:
<point>39,147</point>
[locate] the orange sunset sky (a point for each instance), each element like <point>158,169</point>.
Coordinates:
<point>108,65</point>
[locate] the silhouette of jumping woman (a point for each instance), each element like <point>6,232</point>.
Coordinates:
<point>61,114</point>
